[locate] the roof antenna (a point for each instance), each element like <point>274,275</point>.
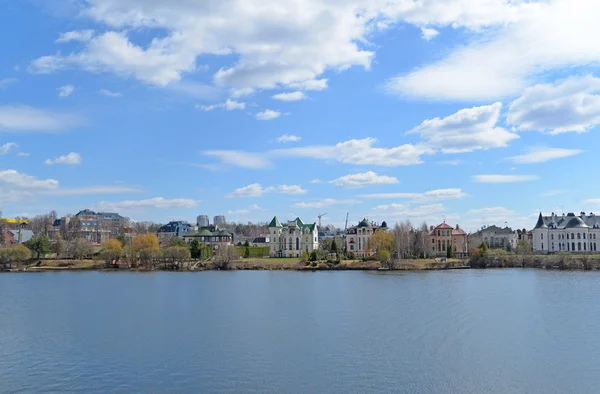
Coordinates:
<point>444,217</point>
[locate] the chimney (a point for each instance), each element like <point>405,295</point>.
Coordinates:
<point>457,227</point>
<point>431,228</point>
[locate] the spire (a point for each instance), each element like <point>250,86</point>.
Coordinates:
<point>540,223</point>
<point>275,222</point>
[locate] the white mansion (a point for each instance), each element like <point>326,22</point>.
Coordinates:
<point>292,238</point>
<point>567,233</point>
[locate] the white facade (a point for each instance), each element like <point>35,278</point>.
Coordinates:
<point>567,233</point>
<point>293,238</point>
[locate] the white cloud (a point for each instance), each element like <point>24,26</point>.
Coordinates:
<point>15,179</point>
<point>65,91</point>
<point>504,178</point>
<point>228,105</point>
<point>252,190</point>
<point>76,35</point>
<point>240,159</point>
<point>530,39</point>
<point>22,118</point>
<point>429,34</point>
<point>324,203</point>
<point>465,131</point>
<point>491,211</point>
<point>23,154</point>
<point>432,195</point>
<point>69,159</point>
<point>5,82</point>
<point>152,203</point>
<point>369,178</point>
<point>4,149</point>
<point>291,96</point>
<point>542,155</point>
<point>256,190</point>
<point>291,189</point>
<point>288,138</point>
<point>568,106</point>
<point>245,211</point>
<point>315,181</point>
<point>312,84</point>
<point>268,114</point>
<point>108,93</point>
<point>360,152</point>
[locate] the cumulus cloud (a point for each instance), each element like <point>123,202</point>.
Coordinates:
<point>572,105</point>
<point>524,43</point>
<point>291,96</point>
<point>542,155</point>
<point>68,159</point>
<point>228,105</point>
<point>151,203</point>
<point>429,34</point>
<point>465,131</point>
<point>360,152</point>
<point>13,178</point>
<point>65,91</point>
<point>23,118</point>
<point>4,149</point>
<point>256,190</point>
<point>328,202</point>
<point>369,178</point>
<point>5,82</point>
<point>288,138</point>
<point>268,114</point>
<point>504,178</point>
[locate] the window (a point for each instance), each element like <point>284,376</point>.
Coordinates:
<point>579,246</point>
<point>578,235</point>
<point>542,237</point>
<point>542,246</point>
<point>583,235</point>
<point>584,246</point>
<point>573,236</point>
<point>552,237</point>
<point>552,245</point>
<point>573,246</point>
<point>297,243</point>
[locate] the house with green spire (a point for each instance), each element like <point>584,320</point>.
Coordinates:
<point>292,238</point>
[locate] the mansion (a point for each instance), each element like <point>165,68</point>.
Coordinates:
<point>293,238</point>
<point>444,237</point>
<point>357,237</point>
<point>570,233</point>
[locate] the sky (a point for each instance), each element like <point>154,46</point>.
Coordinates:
<point>473,112</point>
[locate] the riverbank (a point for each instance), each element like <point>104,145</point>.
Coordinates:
<point>490,260</point>
<point>262,264</point>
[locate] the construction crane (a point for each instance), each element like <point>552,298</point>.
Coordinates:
<point>346,226</point>
<point>320,217</point>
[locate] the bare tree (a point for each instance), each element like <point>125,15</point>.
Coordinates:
<point>225,256</point>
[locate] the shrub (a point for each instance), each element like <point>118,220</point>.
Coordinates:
<point>314,256</point>
<point>14,254</point>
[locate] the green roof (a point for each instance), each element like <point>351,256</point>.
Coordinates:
<point>275,222</point>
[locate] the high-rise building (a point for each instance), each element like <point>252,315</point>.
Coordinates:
<point>219,220</point>
<point>202,221</point>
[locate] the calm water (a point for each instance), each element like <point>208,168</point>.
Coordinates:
<point>494,331</point>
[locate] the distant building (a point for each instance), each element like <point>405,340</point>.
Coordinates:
<point>97,227</point>
<point>293,238</point>
<point>17,236</point>
<point>202,221</point>
<point>210,236</point>
<point>173,229</point>
<point>357,237</point>
<point>443,236</point>
<point>220,221</point>
<point>527,236</point>
<point>568,233</point>
<point>495,237</point>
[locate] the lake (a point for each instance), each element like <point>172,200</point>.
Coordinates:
<point>469,331</point>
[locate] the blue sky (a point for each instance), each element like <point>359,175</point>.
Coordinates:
<point>479,112</point>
